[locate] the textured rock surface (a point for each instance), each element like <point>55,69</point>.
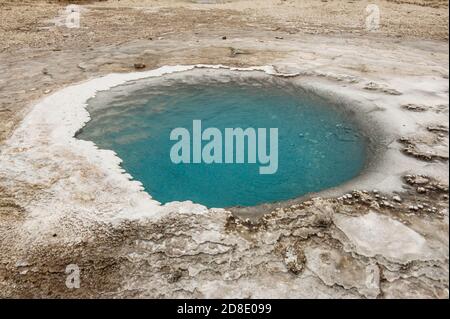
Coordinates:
<point>374,234</point>
<point>62,204</point>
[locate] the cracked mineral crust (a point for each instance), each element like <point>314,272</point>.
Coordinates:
<point>64,202</point>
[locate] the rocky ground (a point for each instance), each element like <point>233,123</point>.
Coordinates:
<point>56,207</point>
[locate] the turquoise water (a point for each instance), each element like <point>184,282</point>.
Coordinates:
<point>318,146</point>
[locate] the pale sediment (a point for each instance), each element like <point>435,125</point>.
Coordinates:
<point>66,202</point>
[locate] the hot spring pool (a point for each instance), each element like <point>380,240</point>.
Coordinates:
<point>318,145</point>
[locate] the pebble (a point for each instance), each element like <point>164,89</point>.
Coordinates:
<point>139,65</point>
<point>387,204</point>
<point>397,198</point>
<point>421,180</point>
<point>421,190</point>
<point>82,66</point>
<point>22,263</point>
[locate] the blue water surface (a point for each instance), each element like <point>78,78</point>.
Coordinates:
<point>318,146</point>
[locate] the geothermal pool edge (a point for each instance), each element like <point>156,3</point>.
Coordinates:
<point>89,200</point>
<point>65,113</point>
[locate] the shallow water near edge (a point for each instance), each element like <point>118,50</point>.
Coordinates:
<point>319,146</point>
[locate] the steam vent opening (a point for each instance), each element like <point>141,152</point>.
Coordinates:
<point>319,145</point>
